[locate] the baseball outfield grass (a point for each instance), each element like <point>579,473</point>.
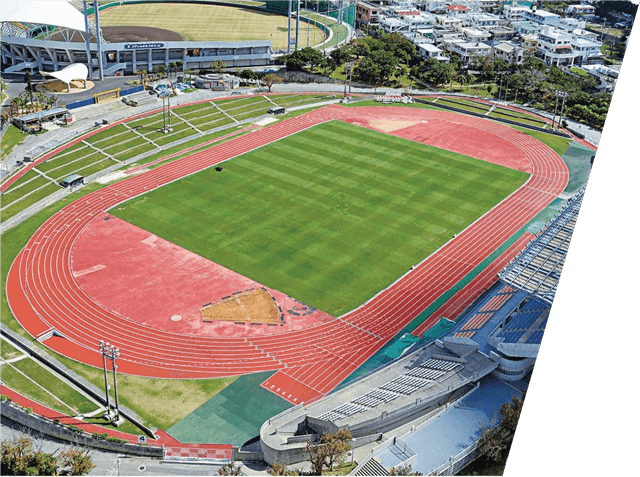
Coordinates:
<point>209,22</point>
<point>330,215</point>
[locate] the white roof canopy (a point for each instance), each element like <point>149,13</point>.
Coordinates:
<point>72,72</point>
<point>46,12</point>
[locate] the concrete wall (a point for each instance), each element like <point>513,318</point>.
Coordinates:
<point>50,428</point>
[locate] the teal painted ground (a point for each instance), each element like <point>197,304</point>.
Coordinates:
<point>330,215</point>
<point>233,416</point>
<point>578,160</point>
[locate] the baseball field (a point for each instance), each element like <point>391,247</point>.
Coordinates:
<point>197,22</point>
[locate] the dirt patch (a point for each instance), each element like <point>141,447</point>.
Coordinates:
<point>60,87</point>
<point>252,306</point>
<point>124,34</point>
<point>390,125</point>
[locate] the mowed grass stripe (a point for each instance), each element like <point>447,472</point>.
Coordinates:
<point>330,215</point>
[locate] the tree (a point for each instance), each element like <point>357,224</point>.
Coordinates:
<point>278,469</point>
<point>161,70</point>
<point>179,65</point>
<point>270,79</point>
<point>29,89</point>
<point>217,66</point>
<point>330,450</point>
<point>230,469</point>
<point>20,458</point>
<point>403,470</point>
<point>76,462</point>
<point>495,443</point>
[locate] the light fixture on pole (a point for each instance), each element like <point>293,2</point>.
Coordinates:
<point>559,94</point>
<point>166,117</point>
<point>564,95</point>
<point>109,351</point>
<point>103,347</point>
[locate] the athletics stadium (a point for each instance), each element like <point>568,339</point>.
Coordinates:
<point>336,267</point>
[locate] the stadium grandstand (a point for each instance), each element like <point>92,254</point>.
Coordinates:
<point>537,271</point>
<point>491,349</point>
<point>49,35</point>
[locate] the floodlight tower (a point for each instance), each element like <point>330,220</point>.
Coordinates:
<point>87,37</point>
<point>289,29</point>
<point>111,352</point>
<point>564,95</point>
<point>297,22</point>
<point>103,348</point>
<point>166,116</point>
<point>559,94</point>
<point>98,38</point>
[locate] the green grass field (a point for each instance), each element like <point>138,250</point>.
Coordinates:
<point>330,215</point>
<point>209,22</point>
<point>10,139</point>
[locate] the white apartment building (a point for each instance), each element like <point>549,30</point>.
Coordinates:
<point>484,20</point>
<point>515,13</point>
<point>586,48</point>
<point>543,17</point>
<point>475,34</point>
<point>555,47</point>
<point>434,6</point>
<point>508,52</point>
<point>393,24</point>
<point>469,50</point>
<point>427,50</point>
<point>448,22</point>
<point>582,10</point>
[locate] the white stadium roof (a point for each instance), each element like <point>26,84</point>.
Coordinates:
<point>46,12</point>
<point>70,73</point>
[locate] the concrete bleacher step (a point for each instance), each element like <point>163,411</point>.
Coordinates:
<point>372,467</point>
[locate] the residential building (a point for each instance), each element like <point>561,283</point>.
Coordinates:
<point>555,48</point>
<point>428,50</point>
<point>484,20</point>
<point>447,21</point>
<point>475,34</point>
<point>457,10</point>
<point>526,28</point>
<point>589,50</point>
<point>367,13</point>
<point>543,17</point>
<point>393,24</point>
<point>469,50</point>
<point>508,52</point>
<point>571,24</point>
<point>515,13</point>
<point>530,43</point>
<point>581,10</point>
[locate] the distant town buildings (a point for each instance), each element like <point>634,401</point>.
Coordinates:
<point>508,31</point>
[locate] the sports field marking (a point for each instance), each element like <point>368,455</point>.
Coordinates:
<point>330,215</point>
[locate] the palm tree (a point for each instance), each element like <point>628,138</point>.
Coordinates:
<point>3,87</point>
<point>15,106</point>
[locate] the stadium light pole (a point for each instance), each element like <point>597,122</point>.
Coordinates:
<point>103,348</point>
<point>555,110</point>
<point>289,29</point>
<point>564,95</point>
<point>98,38</point>
<point>109,351</point>
<point>87,38</point>
<point>297,22</point>
<point>115,353</point>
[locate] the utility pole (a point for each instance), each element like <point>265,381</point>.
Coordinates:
<point>555,110</point>
<point>115,353</point>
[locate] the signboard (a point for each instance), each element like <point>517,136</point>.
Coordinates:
<point>138,46</point>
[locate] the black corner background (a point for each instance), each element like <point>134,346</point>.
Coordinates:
<point>565,408</point>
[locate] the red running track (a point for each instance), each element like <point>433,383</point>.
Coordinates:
<point>43,293</point>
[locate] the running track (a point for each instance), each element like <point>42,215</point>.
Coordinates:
<point>43,294</point>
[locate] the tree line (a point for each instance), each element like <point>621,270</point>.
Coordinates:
<point>382,59</point>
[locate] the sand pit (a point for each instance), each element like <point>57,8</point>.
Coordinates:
<point>251,306</point>
<point>389,126</point>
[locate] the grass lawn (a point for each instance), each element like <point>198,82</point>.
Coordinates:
<point>557,143</point>
<point>13,209</point>
<point>330,215</point>
<point>8,351</point>
<point>194,22</point>
<point>10,139</point>
<point>13,193</point>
